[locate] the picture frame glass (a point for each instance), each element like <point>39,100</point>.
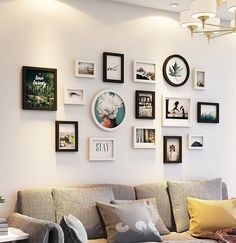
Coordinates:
<point>145,72</point>
<point>144,137</point>
<point>208,113</point>
<point>67,137</point>
<point>200,79</point>
<point>177,108</point>
<point>86,68</point>
<point>173,150</point>
<point>113,67</point>
<point>196,141</point>
<point>145,104</point>
<point>73,96</point>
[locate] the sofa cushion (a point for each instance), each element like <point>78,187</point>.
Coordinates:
<point>81,203</point>
<point>129,223</point>
<point>180,190</point>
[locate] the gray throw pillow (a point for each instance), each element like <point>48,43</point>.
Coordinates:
<point>180,190</point>
<point>156,218</point>
<point>129,222</point>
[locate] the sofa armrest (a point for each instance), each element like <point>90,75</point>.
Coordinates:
<point>40,231</point>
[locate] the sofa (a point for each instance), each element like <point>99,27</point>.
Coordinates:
<point>37,212</point>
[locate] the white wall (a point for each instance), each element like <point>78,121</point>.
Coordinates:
<point>52,34</point>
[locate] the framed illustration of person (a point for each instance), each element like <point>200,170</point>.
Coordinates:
<point>172,149</point>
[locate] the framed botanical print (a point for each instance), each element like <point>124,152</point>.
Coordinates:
<point>172,149</point>
<point>208,112</point>
<point>74,96</point>
<point>85,69</point>
<point>113,67</point>
<point>39,86</point>
<point>144,137</point>
<point>145,104</point>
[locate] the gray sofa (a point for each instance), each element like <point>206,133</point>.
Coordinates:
<point>37,213</point>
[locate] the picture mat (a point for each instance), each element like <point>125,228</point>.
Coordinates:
<point>113,67</point>
<point>199,79</point>
<point>73,99</point>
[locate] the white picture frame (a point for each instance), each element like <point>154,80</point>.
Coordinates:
<point>176,111</point>
<point>74,96</point>
<point>144,137</point>
<point>145,72</point>
<point>196,141</point>
<point>101,149</point>
<point>85,69</point>
<point>199,79</point>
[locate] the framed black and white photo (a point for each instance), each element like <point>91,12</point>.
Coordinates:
<point>208,112</point>
<point>144,137</point>
<point>85,69</point>
<point>176,70</point>
<point>176,111</point>
<point>195,141</point>
<point>199,79</point>
<point>172,149</point>
<point>101,149</point>
<point>144,104</point>
<point>74,96</point>
<point>113,67</point>
<point>145,72</point>
<point>66,136</point>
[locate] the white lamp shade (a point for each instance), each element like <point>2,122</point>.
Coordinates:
<point>187,20</point>
<point>206,8</point>
<point>231,5</point>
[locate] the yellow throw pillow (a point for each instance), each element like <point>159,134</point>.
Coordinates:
<point>210,215</point>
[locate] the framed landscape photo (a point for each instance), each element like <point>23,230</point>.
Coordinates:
<point>176,70</point>
<point>144,104</point>
<point>145,72</point>
<point>172,149</point>
<point>144,137</point>
<point>66,136</point>
<point>74,96</point>
<point>39,86</point>
<point>195,141</point>
<point>108,110</point>
<point>199,79</point>
<point>113,67</point>
<point>85,69</point>
<point>176,111</point>
<point>101,149</point>
<point>208,112</point>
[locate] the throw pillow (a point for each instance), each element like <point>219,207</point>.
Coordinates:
<point>81,202</point>
<point>211,215</point>
<point>74,231</point>
<point>129,223</point>
<point>156,218</point>
<point>180,190</point>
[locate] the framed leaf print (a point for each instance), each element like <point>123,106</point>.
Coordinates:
<point>176,70</point>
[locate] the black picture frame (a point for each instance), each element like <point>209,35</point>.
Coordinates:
<point>113,67</point>
<point>172,70</point>
<point>39,88</point>
<point>208,112</point>
<point>66,136</point>
<point>172,149</point>
<point>144,104</point>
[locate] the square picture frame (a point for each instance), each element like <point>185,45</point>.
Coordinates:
<point>66,136</point>
<point>196,141</point>
<point>39,88</point>
<point>144,104</point>
<point>199,79</point>
<point>85,69</point>
<point>208,112</point>
<point>101,149</point>
<point>176,111</point>
<point>113,67</point>
<point>172,149</point>
<point>145,72</point>
<point>74,96</point>
<point>144,137</point>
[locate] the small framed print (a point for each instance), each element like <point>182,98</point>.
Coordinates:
<point>113,67</point>
<point>74,96</point>
<point>208,112</point>
<point>199,79</point>
<point>195,141</point>
<point>172,149</point>
<point>85,69</point>
<point>176,111</point>
<point>145,72</point>
<point>66,136</point>
<point>144,137</point>
<point>101,149</point>
<point>145,104</point>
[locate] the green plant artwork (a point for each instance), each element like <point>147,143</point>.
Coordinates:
<point>2,199</point>
<point>208,117</point>
<point>175,70</point>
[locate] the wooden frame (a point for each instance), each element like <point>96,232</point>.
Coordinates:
<point>172,149</point>
<point>208,112</point>
<point>85,69</point>
<point>199,79</point>
<point>196,142</point>
<point>144,137</point>
<point>74,96</point>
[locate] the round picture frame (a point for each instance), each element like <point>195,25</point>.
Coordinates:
<point>176,70</point>
<point>108,110</point>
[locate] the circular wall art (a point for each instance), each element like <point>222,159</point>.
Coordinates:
<point>108,110</point>
<point>176,70</point>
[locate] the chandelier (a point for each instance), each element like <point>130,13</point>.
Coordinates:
<point>201,18</point>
